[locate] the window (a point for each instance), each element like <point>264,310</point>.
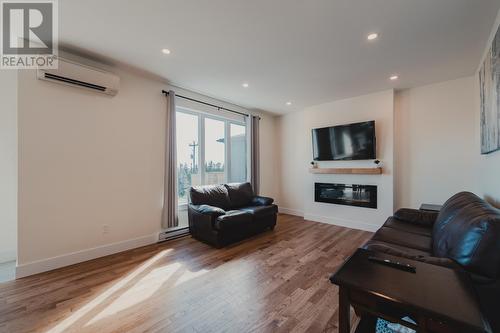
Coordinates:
<point>238,156</point>
<point>210,150</point>
<point>188,173</point>
<point>215,151</point>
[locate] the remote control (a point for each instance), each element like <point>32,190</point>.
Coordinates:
<point>394,264</point>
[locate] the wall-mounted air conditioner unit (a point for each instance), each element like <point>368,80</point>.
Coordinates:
<point>82,76</point>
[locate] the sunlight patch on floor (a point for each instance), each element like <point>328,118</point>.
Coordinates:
<point>139,292</point>
<point>188,275</point>
<point>86,309</point>
<point>170,276</point>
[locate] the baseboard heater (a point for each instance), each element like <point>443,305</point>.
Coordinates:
<point>173,234</point>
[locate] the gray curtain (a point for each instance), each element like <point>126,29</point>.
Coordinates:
<point>169,216</point>
<point>254,153</point>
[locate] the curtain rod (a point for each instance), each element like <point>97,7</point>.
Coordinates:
<point>205,103</point>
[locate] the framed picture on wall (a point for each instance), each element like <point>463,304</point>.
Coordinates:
<point>489,83</point>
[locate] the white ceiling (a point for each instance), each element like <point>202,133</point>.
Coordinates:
<point>304,51</point>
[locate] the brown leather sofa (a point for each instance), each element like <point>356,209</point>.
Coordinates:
<point>223,214</point>
<point>464,235</point>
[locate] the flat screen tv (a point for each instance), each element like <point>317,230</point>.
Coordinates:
<point>345,142</point>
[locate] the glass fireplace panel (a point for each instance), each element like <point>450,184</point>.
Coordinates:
<point>346,194</point>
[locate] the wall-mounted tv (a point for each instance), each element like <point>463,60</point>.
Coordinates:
<point>345,142</point>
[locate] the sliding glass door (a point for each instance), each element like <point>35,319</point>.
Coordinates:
<point>210,150</point>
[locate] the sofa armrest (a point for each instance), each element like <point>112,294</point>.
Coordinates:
<point>382,247</point>
<point>208,210</point>
<point>262,201</point>
<point>202,218</point>
<point>415,216</point>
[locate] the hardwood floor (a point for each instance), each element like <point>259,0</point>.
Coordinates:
<point>274,282</point>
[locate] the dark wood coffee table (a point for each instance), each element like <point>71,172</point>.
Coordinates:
<point>437,298</point>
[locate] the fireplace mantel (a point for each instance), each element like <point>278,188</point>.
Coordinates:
<point>350,171</point>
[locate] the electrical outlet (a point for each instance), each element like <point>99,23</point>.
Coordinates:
<point>105,229</point>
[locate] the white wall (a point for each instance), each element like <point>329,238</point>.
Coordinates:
<point>436,146</point>
<point>438,143</point>
<point>269,169</point>
<point>297,184</point>
<point>436,150</point>
<point>88,160</point>
<point>293,162</point>
<point>8,165</point>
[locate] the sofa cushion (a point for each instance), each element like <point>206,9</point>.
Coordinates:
<point>240,194</point>
<point>261,210</point>
<point>403,238</point>
<point>408,227</point>
<point>233,219</point>
<point>415,216</point>
<point>467,230</point>
<point>212,195</point>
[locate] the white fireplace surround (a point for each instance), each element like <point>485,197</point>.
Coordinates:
<point>297,197</point>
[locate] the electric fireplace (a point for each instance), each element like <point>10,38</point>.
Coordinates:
<point>346,194</point>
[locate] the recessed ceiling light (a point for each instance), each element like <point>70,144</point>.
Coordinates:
<point>165,51</point>
<point>394,77</point>
<point>245,85</point>
<point>288,103</point>
<point>372,36</point>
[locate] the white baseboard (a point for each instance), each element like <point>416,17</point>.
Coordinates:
<point>290,211</point>
<point>6,256</point>
<point>49,264</point>
<point>343,222</point>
